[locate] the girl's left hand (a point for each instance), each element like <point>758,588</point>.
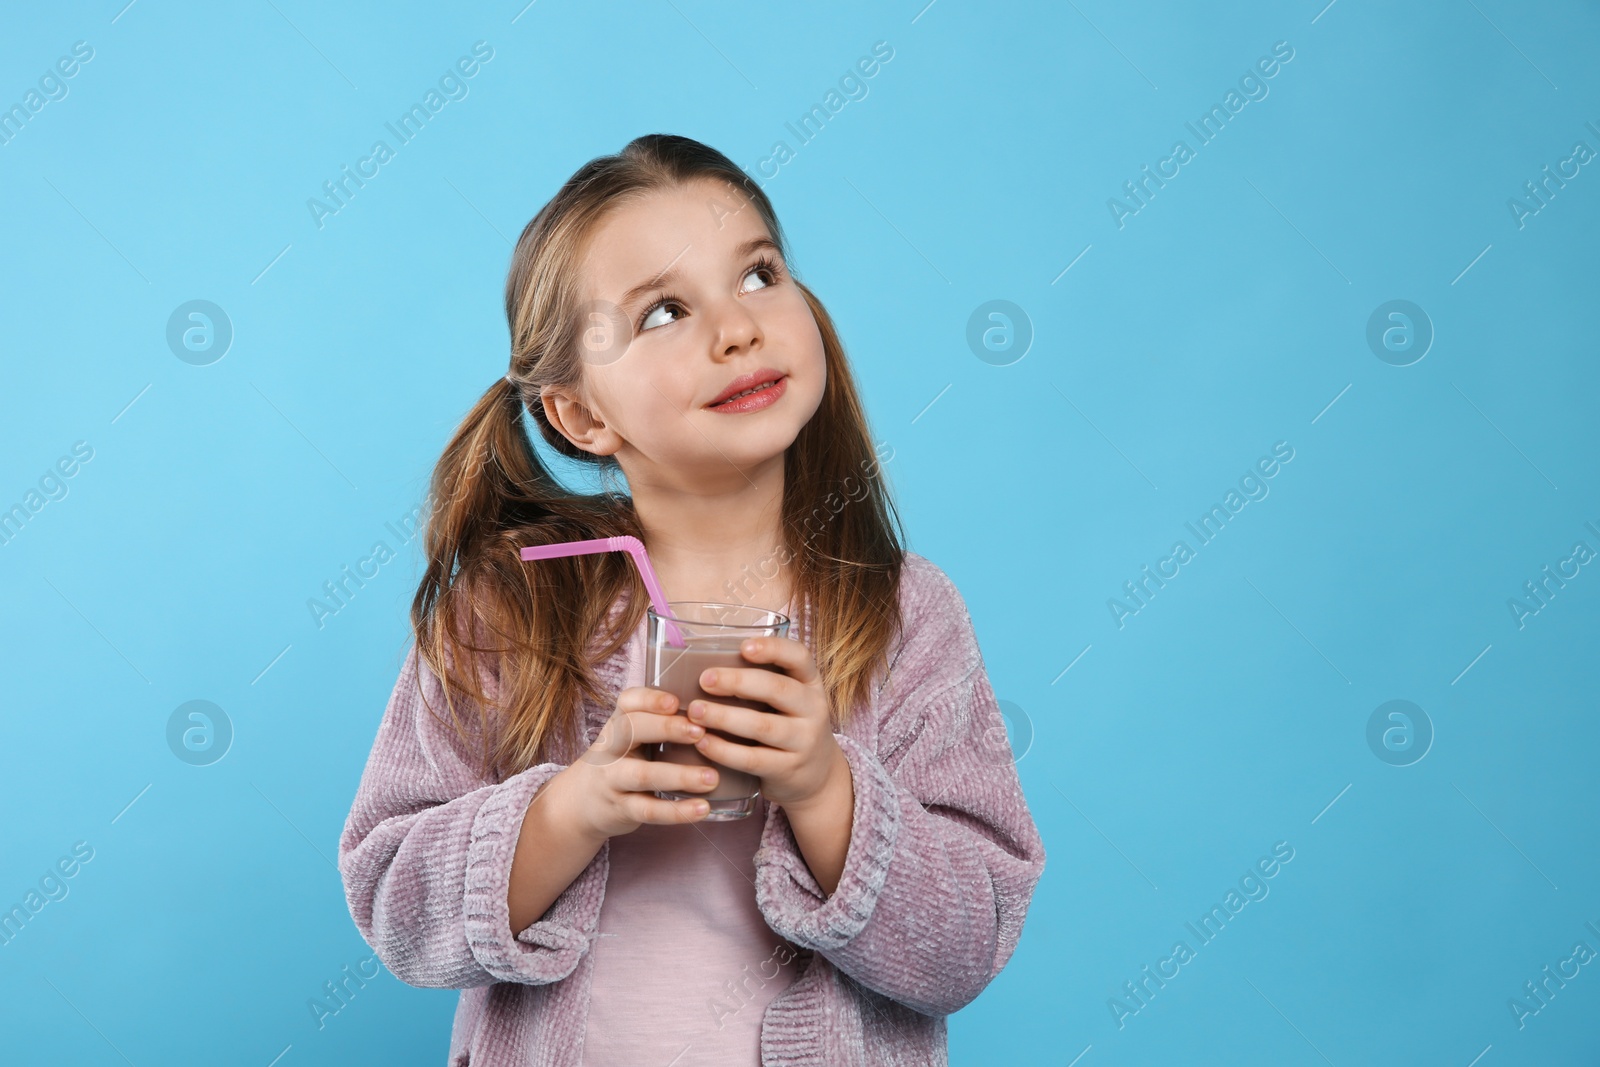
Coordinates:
<point>796,756</point>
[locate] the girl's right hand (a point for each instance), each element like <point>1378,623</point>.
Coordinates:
<point>610,788</point>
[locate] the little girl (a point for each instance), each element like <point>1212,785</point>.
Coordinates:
<point>506,839</point>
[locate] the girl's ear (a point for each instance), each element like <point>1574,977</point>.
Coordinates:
<point>575,421</point>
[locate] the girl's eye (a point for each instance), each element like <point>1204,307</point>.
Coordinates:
<point>767,267</point>
<point>660,306</point>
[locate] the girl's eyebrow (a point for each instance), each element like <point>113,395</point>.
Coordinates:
<point>670,275</point>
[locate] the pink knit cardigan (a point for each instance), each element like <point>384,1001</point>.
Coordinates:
<point>941,867</point>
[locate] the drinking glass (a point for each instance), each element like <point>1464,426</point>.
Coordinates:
<point>712,634</point>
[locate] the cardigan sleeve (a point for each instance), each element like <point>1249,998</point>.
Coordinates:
<point>943,855</point>
<point>425,855</point>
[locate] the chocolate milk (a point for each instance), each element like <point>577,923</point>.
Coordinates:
<point>679,674</point>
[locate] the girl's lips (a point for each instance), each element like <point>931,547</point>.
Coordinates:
<point>755,401</point>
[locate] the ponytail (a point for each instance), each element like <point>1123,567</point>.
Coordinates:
<point>476,609</point>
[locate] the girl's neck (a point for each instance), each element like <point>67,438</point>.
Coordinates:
<point>723,545</point>
<point>761,583</point>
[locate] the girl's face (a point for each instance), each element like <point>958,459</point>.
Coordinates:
<point>695,277</point>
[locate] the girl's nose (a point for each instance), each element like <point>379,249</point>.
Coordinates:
<point>737,329</point>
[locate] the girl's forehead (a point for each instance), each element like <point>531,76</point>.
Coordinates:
<point>680,228</point>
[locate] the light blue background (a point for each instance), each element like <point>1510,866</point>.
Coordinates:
<point>1229,314</point>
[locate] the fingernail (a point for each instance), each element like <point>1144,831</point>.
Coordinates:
<point>696,731</point>
<point>708,678</point>
<point>708,776</point>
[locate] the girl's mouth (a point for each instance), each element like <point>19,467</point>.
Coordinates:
<point>762,397</point>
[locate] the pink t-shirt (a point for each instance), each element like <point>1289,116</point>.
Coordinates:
<point>684,965</point>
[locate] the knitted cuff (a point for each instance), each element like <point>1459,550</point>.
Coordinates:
<point>788,894</point>
<point>550,949</point>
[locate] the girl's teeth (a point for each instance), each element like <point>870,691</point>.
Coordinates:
<point>747,392</point>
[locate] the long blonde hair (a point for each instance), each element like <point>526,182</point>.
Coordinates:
<point>481,615</point>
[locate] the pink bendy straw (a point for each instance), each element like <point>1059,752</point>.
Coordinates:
<point>633,547</point>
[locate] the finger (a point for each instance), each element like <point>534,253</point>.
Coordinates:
<point>614,741</point>
<point>777,691</point>
<point>647,776</point>
<point>758,760</point>
<point>644,698</point>
<point>626,730</point>
<point>784,652</point>
<point>763,727</point>
<point>658,812</point>
<point>648,729</point>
